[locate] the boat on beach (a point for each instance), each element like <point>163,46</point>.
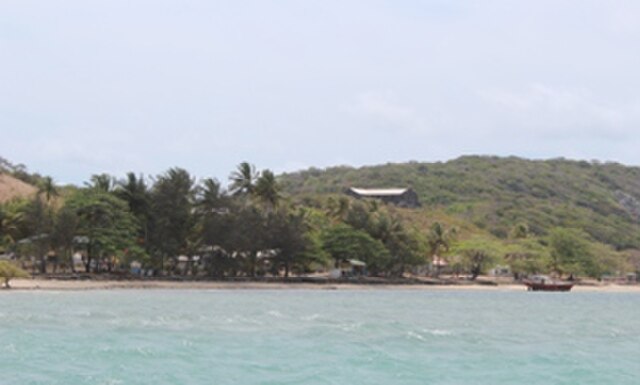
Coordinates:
<point>546,283</point>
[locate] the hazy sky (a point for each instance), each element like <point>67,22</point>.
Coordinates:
<point>115,86</point>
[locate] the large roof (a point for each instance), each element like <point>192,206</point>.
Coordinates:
<point>379,192</point>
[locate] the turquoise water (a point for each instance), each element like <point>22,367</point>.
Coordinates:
<point>318,337</point>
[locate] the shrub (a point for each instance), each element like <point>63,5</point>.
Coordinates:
<point>8,271</point>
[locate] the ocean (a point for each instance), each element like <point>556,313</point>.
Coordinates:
<point>318,337</point>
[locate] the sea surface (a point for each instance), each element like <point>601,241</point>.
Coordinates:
<point>386,337</point>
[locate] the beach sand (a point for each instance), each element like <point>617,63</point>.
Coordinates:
<point>52,284</point>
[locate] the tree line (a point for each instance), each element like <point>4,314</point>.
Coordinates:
<point>174,224</point>
<point>248,229</point>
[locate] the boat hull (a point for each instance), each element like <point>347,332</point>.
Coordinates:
<point>537,286</point>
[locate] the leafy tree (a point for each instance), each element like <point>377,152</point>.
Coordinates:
<point>572,252</point>
<point>405,246</point>
<point>289,236</point>
<point>106,221</point>
<point>343,242</point>
<point>406,249</point>
<point>607,260</point>
<point>360,217</point>
<point>477,254</point>
<point>632,258</point>
<point>526,256</point>
<point>9,271</point>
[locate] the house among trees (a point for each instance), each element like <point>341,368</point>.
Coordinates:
<point>402,197</point>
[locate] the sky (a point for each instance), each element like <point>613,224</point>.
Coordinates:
<point>144,85</point>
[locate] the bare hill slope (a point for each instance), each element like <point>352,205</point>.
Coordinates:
<point>11,188</point>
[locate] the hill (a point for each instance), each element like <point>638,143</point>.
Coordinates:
<point>496,194</point>
<point>11,187</point>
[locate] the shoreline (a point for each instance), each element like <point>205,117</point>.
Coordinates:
<point>83,285</point>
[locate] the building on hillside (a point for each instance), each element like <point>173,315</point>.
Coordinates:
<point>402,197</point>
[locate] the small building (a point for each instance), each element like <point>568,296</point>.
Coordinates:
<point>401,197</point>
<point>349,268</point>
<point>135,268</point>
<point>500,271</point>
<point>77,260</point>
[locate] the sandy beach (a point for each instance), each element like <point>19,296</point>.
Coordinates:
<point>53,284</point>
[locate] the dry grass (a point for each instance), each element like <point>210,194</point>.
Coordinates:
<point>11,188</point>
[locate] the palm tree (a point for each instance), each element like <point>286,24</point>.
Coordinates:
<point>102,182</point>
<point>267,189</point>
<point>243,179</point>
<point>48,188</point>
<point>439,240</point>
<point>135,192</point>
<point>210,195</point>
<point>172,203</point>
<point>10,223</point>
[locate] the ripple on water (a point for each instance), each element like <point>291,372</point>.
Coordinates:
<point>381,337</point>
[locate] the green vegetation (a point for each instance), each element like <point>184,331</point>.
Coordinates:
<point>106,223</point>
<point>343,242</point>
<point>515,202</point>
<point>557,216</point>
<point>251,230</point>
<point>9,271</point>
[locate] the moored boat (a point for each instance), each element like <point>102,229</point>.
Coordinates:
<point>545,283</point>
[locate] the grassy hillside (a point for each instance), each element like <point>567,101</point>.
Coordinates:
<point>496,194</point>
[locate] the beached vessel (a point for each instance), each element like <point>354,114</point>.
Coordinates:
<point>546,283</point>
